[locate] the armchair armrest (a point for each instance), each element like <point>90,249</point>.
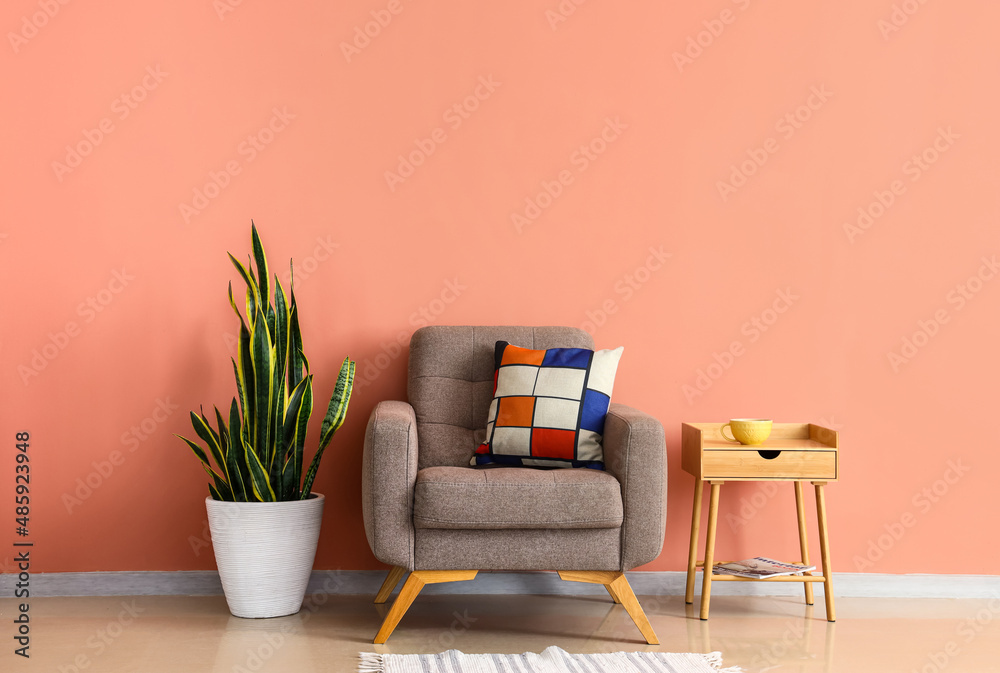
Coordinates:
<point>388,473</point>
<point>635,452</point>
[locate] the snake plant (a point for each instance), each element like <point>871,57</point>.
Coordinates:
<point>259,454</point>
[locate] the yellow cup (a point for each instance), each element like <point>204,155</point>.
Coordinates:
<point>749,431</point>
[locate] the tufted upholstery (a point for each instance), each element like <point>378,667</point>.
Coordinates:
<point>451,383</point>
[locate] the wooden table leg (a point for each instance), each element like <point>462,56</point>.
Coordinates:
<point>800,510</point>
<point>824,551</point>
<point>713,519</point>
<point>699,486</point>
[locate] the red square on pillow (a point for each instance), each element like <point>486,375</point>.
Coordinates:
<point>553,443</point>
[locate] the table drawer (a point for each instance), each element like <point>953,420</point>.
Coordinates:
<point>751,464</point>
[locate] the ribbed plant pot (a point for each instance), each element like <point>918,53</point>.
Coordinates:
<point>265,552</point>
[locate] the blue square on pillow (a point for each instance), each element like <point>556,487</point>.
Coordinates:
<point>568,357</point>
<point>595,408</point>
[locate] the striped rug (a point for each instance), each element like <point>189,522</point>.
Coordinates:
<point>552,660</point>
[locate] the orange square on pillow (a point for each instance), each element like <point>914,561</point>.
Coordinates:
<point>513,355</point>
<point>553,443</point>
<point>515,411</point>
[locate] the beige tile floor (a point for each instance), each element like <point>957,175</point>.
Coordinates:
<point>150,634</point>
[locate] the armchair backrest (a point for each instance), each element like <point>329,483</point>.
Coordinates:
<point>450,383</point>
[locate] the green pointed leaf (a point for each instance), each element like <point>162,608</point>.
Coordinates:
<point>300,435</point>
<point>233,473</point>
<point>263,368</point>
<point>281,393</point>
<point>243,486</point>
<point>262,273</point>
<point>239,383</point>
<point>251,308</point>
<point>232,302</point>
<point>198,451</point>
<point>261,486</point>
<point>334,419</point>
<point>248,278</point>
<point>295,362</point>
<point>295,426</point>
<point>336,412</point>
<point>289,485</point>
<point>208,435</point>
<point>245,377</point>
<point>221,487</point>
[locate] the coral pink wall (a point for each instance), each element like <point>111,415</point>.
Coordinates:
<point>811,184</point>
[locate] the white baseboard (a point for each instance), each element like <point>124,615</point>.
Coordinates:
<point>367,582</point>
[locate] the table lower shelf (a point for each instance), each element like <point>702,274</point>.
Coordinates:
<point>779,578</point>
<point>806,576</point>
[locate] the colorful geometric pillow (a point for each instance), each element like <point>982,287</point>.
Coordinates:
<point>548,407</point>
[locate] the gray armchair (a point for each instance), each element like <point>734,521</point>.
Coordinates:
<point>428,512</point>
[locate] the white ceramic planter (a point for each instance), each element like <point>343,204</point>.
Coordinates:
<point>265,552</point>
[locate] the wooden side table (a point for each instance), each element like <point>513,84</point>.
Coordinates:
<point>796,452</point>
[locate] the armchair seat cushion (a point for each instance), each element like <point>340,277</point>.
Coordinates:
<point>516,497</point>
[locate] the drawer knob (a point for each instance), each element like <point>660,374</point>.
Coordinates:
<point>768,454</point>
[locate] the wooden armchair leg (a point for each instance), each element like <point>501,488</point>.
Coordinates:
<point>414,583</point>
<point>391,580</point>
<point>618,586</point>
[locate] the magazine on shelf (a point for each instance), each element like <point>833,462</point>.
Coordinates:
<point>760,567</point>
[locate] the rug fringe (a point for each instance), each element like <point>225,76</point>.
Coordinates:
<point>371,662</point>
<point>715,660</point>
